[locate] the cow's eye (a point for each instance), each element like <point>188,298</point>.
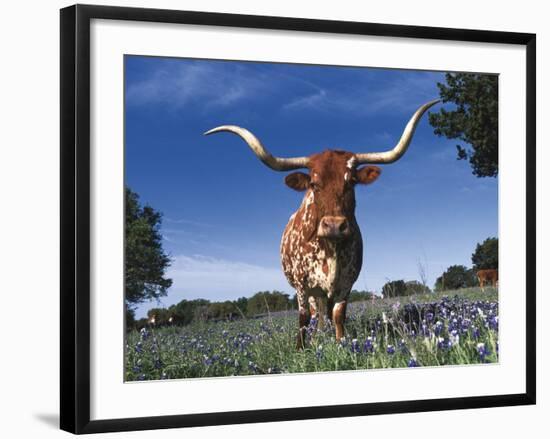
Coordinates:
<point>314,186</point>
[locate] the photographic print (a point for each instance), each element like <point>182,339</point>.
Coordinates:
<point>293,218</point>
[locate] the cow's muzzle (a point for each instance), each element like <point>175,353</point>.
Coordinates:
<point>333,227</point>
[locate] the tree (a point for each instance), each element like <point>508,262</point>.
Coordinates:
<point>455,277</point>
<point>184,312</point>
<point>486,255</point>
<point>242,305</point>
<point>399,288</point>
<point>414,287</point>
<point>474,121</point>
<point>265,301</point>
<point>145,261</point>
<point>222,311</point>
<point>359,296</point>
<point>394,288</point>
<point>161,315</point>
<point>130,315</point>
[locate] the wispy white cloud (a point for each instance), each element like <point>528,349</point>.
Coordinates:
<point>220,279</point>
<point>198,276</point>
<point>188,222</point>
<point>393,96</point>
<point>205,84</point>
<point>308,101</point>
<point>208,85</point>
<point>410,90</point>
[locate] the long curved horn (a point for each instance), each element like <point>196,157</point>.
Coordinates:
<point>275,163</point>
<point>401,147</point>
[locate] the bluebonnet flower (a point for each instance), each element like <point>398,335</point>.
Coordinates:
<point>319,353</point>
<point>443,343</point>
<point>465,325</point>
<point>157,364</point>
<point>453,324</point>
<point>311,327</point>
<point>368,346</point>
<point>139,347</point>
<point>390,349</point>
<point>438,328</point>
<point>482,351</point>
<point>355,346</point>
<point>144,333</point>
<point>480,313</point>
<point>412,362</point>
<point>429,316</point>
<point>455,337</point>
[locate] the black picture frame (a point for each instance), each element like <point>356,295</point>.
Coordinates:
<point>75,217</point>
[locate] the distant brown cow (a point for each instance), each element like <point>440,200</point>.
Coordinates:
<point>322,248</point>
<point>486,276</point>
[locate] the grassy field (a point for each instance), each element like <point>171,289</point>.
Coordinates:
<point>454,327</point>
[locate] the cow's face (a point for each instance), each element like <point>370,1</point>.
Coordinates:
<point>331,184</point>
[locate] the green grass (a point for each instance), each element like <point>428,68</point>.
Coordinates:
<point>461,327</point>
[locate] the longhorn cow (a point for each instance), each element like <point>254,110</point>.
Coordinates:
<point>486,276</point>
<point>321,247</point>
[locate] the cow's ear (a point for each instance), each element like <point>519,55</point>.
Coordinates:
<point>368,174</point>
<point>297,181</point>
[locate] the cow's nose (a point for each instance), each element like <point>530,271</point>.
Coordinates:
<point>333,227</point>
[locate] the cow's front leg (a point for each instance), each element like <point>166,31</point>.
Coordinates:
<point>321,312</point>
<point>330,307</point>
<point>303,321</point>
<point>338,317</point>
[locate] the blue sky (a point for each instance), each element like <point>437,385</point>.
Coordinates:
<point>224,211</point>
